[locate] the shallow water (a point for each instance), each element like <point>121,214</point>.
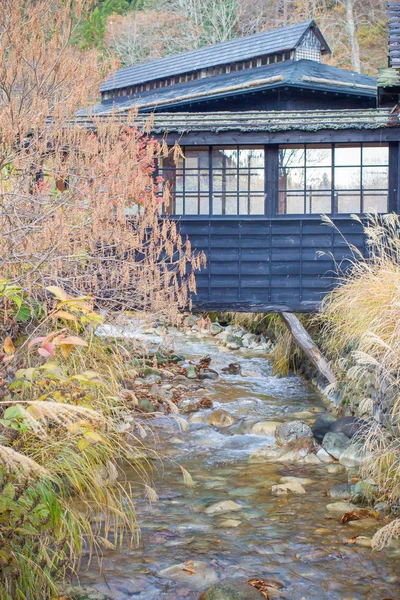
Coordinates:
<point>278,537</point>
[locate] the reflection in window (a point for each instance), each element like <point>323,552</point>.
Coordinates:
<point>343,178</point>
<point>217,180</point>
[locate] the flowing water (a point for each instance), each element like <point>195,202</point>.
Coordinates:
<point>290,539</point>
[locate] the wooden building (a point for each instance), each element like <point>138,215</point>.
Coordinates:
<point>272,139</point>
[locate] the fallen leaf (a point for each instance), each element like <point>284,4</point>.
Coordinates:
<point>8,346</point>
<point>362,513</point>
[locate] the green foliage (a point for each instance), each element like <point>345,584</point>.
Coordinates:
<point>90,33</point>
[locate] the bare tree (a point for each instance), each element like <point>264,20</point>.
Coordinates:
<point>350,23</point>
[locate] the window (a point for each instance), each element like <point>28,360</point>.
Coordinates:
<point>216,180</point>
<point>339,178</point>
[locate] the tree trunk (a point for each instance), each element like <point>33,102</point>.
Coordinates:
<point>310,349</point>
<point>351,27</point>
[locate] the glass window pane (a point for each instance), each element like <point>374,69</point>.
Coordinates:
<point>231,203</point>
<point>291,203</point>
<point>179,205</point>
<point>204,205</point>
<point>318,203</point>
<point>347,178</point>
<point>375,155</point>
<point>217,205</point>
<point>251,157</point>
<point>244,202</point>
<point>375,203</point>
<point>191,205</point>
<point>225,181</point>
<point>291,179</point>
<point>319,179</point>
<point>376,178</point>
<point>319,156</point>
<point>196,158</point>
<point>257,205</point>
<point>292,156</point>
<point>191,183</point>
<point>349,202</point>
<point>224,157</point>
<point>251,180</point>
<point>347,155</point>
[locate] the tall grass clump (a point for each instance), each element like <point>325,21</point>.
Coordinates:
<point>361,329</point>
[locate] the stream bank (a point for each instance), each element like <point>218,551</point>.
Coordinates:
<point>255,511</point>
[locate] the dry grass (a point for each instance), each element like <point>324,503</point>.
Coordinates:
<point>361,320</point>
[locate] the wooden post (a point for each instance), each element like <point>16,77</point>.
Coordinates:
<point>310,349</point>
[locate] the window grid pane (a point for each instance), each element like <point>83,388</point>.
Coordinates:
<point>342,178</point>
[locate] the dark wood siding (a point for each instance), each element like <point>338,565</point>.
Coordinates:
<point>266,264</point>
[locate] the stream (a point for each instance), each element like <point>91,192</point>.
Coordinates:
<point>290,540</point>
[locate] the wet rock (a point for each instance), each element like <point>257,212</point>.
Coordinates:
<point>318,555</point>
<point>195,574</point>
<point>248,339</point>
<point>267,453</point>
<point>291,431</point>
<point>341,507</point>
<point>267,428</point>
<point>225,506</point>
<point>146,371</point>
<point>362,540</point>
<point>311,459</point>
<point>323,456</point>
<point>304,414</point>
<point>146,406</point>
<point>290,486</point>
<point>216,328</point>
<point>213,375</point>
<point>335,443</point>
<point>335,468</point>
<point>341,492</point>
<point>152,379</point>
<point>231,589</point>
<point>232,369</point>
<point>292,479</point>
<point>350,426</point>
<point>220,418</point>
<point>293,455</point>
<point>234,340</point>
<point>190,371</point>
<point>190,408</point>
<point>77,592</point>
<point>230,523</point>
<point>382,508</point>
<point>322,425</point>
<point>352,456</point>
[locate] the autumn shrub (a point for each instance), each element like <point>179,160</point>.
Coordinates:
<point>62,486</point>
<point>361,320</point>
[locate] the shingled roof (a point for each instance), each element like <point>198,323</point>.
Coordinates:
<point>268,42</point>
<point>259,121</point>
<point>305,74</point>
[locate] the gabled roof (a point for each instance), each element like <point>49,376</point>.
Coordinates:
<point>260,121</point>
<point>305,74</point>
<point>268,42</point>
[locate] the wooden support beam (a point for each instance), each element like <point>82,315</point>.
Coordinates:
<point>310,349</point>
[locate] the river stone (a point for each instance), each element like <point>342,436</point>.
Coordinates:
<point>216,328</point>
<point>291,431</point>
<point>146,406</point>
<point>351,457</point>
<point>293,455</point>
<point>323,456</point>
<point>348,425</point>
<point>190,371</point>
<point>232,369</point>
<point>341,507</point>
<point>341,492</point>
<point>225,506</point>
<point>195,574</point>
<point>335,468</point>
<point>233,340</point>
<point>248,339</point>
<point>230,523</point>
<point>382,508</point>
<point>290,486</point>
<point>220,418</point>
<point>311,459</point>
<point>213,375</point>
<point>291,479</point>
<point>335,443</point>
<point>267,428</point>
<point>322,425</point>
<point>230,589</point>
<point>77,592</point>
